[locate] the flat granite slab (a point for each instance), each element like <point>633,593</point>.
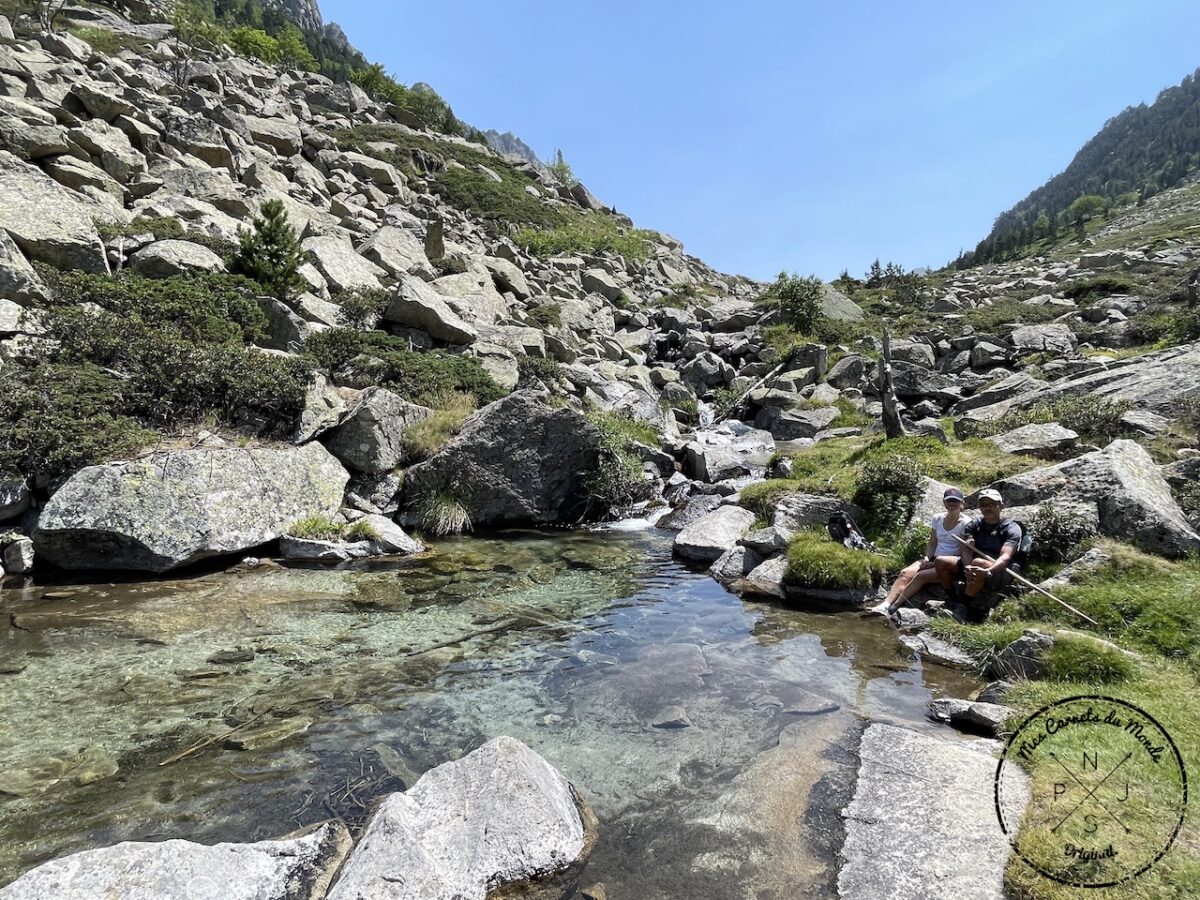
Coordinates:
<point>922,824</point>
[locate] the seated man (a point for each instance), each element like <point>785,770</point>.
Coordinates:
<point>991,534</point>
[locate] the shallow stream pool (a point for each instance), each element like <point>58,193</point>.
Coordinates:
<point>714,738</point>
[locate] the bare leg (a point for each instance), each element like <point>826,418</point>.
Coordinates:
<point>902,581</point>
<point>918,581</point>
<point>977,576</point>
<point>947,569</point>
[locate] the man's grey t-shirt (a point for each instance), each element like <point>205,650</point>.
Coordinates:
<point>991,539</point>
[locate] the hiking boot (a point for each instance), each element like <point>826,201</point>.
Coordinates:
<point>879,609</point>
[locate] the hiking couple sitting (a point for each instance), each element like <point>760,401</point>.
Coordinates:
<point>961,566</point>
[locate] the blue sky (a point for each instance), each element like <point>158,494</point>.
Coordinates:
<point>773,135</point>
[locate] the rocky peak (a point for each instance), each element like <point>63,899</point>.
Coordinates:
<point>305,13</point>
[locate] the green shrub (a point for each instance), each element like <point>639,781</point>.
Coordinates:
<point>799,300</point>
<point>56,419</point>
<point>110,43</point>
<point>816,561</point>
<point>270,253</point>
<point>164,228</point>
<point>533,369</point>
<point>724,399</point>
<point>362,308</point>
<point>504,201</point>
<point>1099,286</point>
<point>617,479</point>
<point>912,545</point>
<point>588,233</point>
<point>316,528</point>
<point>334,348</point>
<point>418,376</point>
<point>1058,533</point>
<point>179,346</point>
<point>1092,418</point>
<point>1188,498</point>
<point>887,490</point>
<point>988,319</point>
<point>546,315</point>
<point>254,42</point>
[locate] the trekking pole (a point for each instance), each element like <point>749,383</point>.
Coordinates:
<point>1027,582</point>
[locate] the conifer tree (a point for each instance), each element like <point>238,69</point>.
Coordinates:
<point>270,253</point>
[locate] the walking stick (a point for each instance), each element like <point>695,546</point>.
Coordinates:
<point>1027,582</point>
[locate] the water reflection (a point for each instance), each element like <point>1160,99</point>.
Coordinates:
<point>713,737</point>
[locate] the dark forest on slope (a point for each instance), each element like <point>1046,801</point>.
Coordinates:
<point>1138,153</point>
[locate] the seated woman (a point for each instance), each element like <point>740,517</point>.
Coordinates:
<point>942,546</point>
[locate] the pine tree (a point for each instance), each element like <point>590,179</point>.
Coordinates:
<point>271,254</point>
<point>875,275</point>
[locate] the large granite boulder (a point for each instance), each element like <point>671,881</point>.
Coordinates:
<point>342,268</point>
<point>46,220</point>
<point>1159,382</point>
<point>494,823</point>
<point>166,259</point>
<point>179,507</point>
<point>19,281</point>
<point>709,537</point>
<point>416,305</point>
<point>293,868</point>
<point>516,461</point>
<point>371,437</point>
<point>1048,440</point>
<point>1043,339</point>
<point>1133,500</point>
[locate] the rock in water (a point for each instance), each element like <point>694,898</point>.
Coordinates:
<point>299,868</point>
<point>176,508</point>
<point>496,819</point>
<point>922,822</point>
<point>516,461</point>
<point>706,539</point>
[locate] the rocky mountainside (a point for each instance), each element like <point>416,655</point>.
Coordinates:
<point>1139,152</point>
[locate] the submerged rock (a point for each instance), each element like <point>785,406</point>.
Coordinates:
<point>180,507</point>
<point>296,868</point>
<point>499,818</point>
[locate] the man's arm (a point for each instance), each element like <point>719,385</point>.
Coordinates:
<point>1005,557</point>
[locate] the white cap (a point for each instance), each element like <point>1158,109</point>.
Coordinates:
<point>991,494</point>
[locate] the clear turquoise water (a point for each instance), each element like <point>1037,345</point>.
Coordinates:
<point>356,681</point>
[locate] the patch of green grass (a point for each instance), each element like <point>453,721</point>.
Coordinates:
<point>588,233</point>
<point>316,528</point>
<point>1073,658</point>
<point>1166,691</point>
<point>817,561</point>
<point>362,530</point>
<point>1141,600</point>
<point>988,319</point>
<point>981,641</point>
<point>425,438</point>
<point>443,512</point>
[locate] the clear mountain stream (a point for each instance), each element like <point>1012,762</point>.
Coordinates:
<point>714,738</point>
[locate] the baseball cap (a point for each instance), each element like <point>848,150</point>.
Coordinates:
<point>952,494</point>
<point>991,494</point>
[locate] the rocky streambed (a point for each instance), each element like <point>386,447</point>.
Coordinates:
<point>715,739</point>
